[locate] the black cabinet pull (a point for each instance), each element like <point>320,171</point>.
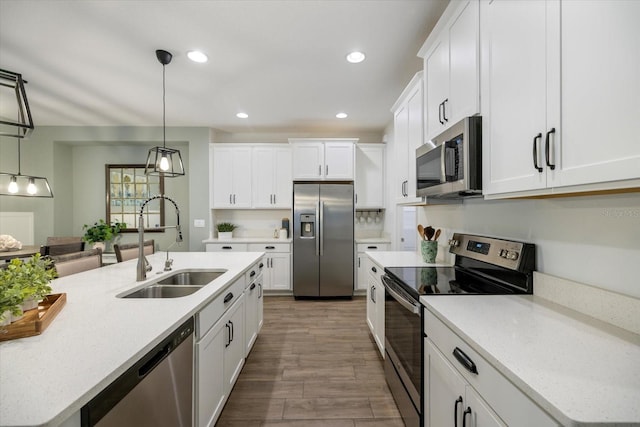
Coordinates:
<point>547,152</point>
<point>232,331</point>
<point>269,247</point>
<point>252,287</point>
<point>465,361</point>
<point>535,152</point>
<point>444,110</point>
<point>253,273</point>
<point>227,247</point>
<point>375,270</point>
<point>440,107</point>
<point>455,411</point>
<point>372,247</point>
<point>464,416</point>
<point>261,265</point>
<point>228,297</point>
<point>228,334</point>
<point>373,294</point>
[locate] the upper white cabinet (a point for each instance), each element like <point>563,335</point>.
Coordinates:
<point>408,132</point>
<point>323,159</point>
<point>561,97</point>
<point>271,172</point>
<point>231,176</point>
<point>451,64</point>
<point>369,181</point>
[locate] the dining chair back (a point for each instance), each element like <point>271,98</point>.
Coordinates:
<point>127,251</point>
<point>77,262</point>
<point>62,240</point>
<point>61,249</point>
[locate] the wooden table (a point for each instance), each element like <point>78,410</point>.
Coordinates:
<point>25,252</point>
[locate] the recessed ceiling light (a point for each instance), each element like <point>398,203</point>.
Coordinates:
<point>355,57</point>
<point>341,115</point>
<point>197,56</point>
<point>242,115</point>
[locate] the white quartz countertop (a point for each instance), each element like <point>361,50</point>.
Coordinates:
<point>580,370</point>
<point>47,378</point>
<point>399,259</point>
<point>373,240</point>
<point>247,240</point>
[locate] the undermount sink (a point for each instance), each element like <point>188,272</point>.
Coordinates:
<point>178,284</point>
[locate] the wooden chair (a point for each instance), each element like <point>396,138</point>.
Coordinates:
<point>77,262</point>
<point>61,249</point>
<point>129,251</point>
<point>63,240</point>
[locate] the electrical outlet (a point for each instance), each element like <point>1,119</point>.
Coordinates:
<point>198,223</point>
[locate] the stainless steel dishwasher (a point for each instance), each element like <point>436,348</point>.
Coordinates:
<point>155,391</point>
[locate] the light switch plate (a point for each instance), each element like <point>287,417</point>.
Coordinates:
<point>198,223</point>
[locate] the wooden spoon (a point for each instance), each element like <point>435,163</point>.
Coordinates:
<point>438,231</point>
<point>421,231</point>
<point>429,232</point>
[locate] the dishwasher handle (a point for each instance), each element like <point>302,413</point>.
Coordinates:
<point>158,357</point>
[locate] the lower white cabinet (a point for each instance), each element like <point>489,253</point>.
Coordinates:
<point>277,265</point>
<point>234,347</point>
<point>362,262</point>
<point>253,306</point>
<point>462,388</point>
<point>375,304</point>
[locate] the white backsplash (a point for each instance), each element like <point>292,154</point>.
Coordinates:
<point>251,222</point>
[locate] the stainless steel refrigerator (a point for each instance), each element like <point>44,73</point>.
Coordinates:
<point>323,251</point>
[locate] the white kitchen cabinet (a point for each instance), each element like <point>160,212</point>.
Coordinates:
<point>277,265</point>
<point>253,306</point>
<point>323,159</point>
<point>488,397</point>
<point>234,351</point>
<point>226,247</point>
<point>370,183</point>
<point>271,176</point>
<point>560,96</point>
<point>375,304</point>
<point>231,176</point>
<point>362,262</point>
<point>210,390</point>
<point>408,132</point>
<point>451,63</point>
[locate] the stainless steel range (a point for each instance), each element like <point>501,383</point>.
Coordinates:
<point>483,266</point>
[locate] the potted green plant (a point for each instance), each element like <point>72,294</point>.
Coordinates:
<point>225,230</point>
<point>23,284</point>
<point>100,233</point>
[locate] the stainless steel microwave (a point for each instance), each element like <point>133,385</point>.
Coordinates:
<point>450,165</point>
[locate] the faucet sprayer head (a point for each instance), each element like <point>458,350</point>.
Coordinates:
<point>178,233</point>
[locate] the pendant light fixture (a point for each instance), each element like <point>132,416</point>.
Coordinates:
<point>14,98</point>
<point>16,184</point>
<point>164,161</point>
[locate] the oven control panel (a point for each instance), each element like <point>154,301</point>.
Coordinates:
<point>505,253</point>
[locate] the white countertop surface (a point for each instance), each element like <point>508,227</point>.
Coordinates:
<point>399,259</point>
<point>580,370</point>
<point>373,240</point>
<point>247,240</point>
<point>96,337</point>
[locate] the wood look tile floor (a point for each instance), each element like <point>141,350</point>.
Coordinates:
<point>314,364</point>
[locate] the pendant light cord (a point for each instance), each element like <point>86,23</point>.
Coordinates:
<point>164,113</point>
<point>19,170</point>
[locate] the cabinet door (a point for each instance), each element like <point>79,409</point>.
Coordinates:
<point>371,304</point>
<point>514,94</point>
<point>598,138</point>
<point>362,275</point>
<point>415,129</point>
<point>241,177</point>
<point>443,388</point>
<point>278,268</point>
<point>479,414</point>
<point>209,375</point>
<point>283,185</point>
<point>339,159</point>
<point>379,321</point>
<point>260,283</point>
<point>234,348</point>
<point>308,160</point>
<point>437,85</point>
<point>370,176</point>
<point>251,316</point>
<point>400,144</point>
<point>263,176</point>
<point>222,186</point>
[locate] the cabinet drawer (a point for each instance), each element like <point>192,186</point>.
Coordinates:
<point>269,247</point>
<point>253,273</point>
<point>209,315</point>
<point>512,405</point>
<point>226,247</point>
<point>375,270</point>
<point>367,247</point>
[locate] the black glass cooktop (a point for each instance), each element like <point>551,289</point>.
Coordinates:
<point>445,281</point>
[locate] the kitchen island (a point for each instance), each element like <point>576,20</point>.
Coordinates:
<point>46,379</point>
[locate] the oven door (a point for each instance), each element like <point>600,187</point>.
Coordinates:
<point>403,347</point>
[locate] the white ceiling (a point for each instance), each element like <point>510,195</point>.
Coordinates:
<point>93,62</point>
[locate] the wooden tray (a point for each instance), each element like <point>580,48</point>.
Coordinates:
<point>34,321</point>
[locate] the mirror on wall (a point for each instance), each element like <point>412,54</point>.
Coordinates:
<point>127,188</point>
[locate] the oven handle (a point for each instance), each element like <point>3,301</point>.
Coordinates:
<point>403,302</point>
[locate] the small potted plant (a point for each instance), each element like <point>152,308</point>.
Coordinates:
<point>100,233</point>
<point>225,230</point>
<point>22,285</point>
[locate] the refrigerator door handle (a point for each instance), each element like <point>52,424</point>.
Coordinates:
<point>317,229</point>
<point>321,230</point>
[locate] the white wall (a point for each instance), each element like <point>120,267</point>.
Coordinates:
<point>589,239</point>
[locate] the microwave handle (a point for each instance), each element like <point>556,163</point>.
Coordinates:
<point>443,162</point>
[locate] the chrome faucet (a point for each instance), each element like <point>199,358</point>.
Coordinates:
<point>143,263</point>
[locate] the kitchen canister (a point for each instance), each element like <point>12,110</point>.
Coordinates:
<point>429,250</point>
<point>283,233</point>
